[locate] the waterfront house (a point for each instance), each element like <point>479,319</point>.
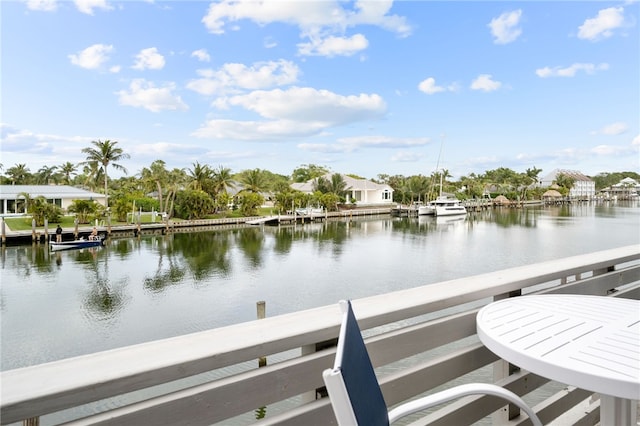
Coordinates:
<point>12,198</point>
<point>626,189</point>
<point>583,187</point>
<point>361,192</point>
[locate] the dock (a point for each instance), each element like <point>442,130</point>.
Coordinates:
<point>39,235</point>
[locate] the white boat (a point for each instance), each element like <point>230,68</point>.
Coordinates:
<point>309,211</point>
<point>445,206</point>
<point>427,209</point>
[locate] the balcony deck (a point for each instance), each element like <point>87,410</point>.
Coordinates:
<point>419,339</point>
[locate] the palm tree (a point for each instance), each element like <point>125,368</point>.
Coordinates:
<point>338,185</point>
<point>222,179</point>
<point>91,173</point>
<point>201,177</point>
<point>19,174</point>
<point>157,176</point>
<point>175,182</point>
<point>47,174</point>
<point>254,180</point>
<point>105,153</point>
<point>531,178</point>
<point>67,169</point>
<point>565,182</point>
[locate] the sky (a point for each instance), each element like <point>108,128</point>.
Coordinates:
<point>359,87</point>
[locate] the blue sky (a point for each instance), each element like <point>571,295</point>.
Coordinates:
<point>365,87</point>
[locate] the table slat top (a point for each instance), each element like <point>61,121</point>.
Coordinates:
<point>590,342</point>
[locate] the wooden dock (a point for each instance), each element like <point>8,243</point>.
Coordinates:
<point>43,235</point>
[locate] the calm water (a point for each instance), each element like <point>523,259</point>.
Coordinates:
<point>57,305</point>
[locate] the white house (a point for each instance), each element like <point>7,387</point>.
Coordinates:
<point>361,191</point>
<point>583,187</point>
<point>11,200</point>
<point>626,189</point>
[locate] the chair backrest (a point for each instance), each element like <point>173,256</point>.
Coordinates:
<point>352,384</point>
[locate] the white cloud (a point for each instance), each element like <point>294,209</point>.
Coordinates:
<point>144,94</point>
<point>87,6</point>
<point>505,27</point>
<point>609,150</point>
<point>41,145</point>
<point>429,86</point>
<point>382,142</point>
<point>334,46</point>
<point>406,157</point>
<point>305,104</point>
<point>233,77</point>
<point>485,83</point>
<point>92,57</point>
<point>42,5</point>
<point>636,141</point>
<point>322,22</point>
<point>269,43</point>
<point>602,25</point>
<point>255,130</point>
<point>615,129</point>
<point>149,59</point>
<point>571,70</point>
<point>324,148</point>
<point>348,145</point>
<point>165,149</point>
<point>202,55</point>
<point>298,111</point>
<point>309,16</point>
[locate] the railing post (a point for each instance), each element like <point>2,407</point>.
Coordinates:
<point>501,370</point>
<point>261,308</point>
<point>4,232</point>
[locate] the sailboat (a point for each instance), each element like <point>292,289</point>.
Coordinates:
<point>442,205</point>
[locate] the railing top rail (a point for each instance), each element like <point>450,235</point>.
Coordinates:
<point>53,386</point>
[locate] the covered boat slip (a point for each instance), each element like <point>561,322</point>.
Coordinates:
<point>418,339</point>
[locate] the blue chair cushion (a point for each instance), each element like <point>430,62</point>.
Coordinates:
<point>359,377</point>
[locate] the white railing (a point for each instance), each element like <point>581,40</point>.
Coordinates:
<point>419,339</point>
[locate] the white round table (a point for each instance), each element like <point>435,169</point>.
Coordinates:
<point>591,342</point>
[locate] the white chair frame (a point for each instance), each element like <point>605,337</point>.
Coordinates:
<point>342,403</point>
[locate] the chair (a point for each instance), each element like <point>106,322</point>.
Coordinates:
<point>355,394</point>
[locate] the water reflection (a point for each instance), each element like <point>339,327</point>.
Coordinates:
<point>103,297</point>
<point>58,304</point>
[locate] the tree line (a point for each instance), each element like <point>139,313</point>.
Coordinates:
<point>203,190</point>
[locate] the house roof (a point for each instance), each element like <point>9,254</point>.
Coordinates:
<point>574,174</point>
<point>552,193</point>
<point>626,182</point>
<point>12,192</point>
<point>501,199</point>
<point>353,184</point>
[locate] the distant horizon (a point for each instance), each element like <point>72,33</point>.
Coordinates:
<point>355,86</point>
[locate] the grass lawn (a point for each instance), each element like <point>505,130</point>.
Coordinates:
<point>23,223</point>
